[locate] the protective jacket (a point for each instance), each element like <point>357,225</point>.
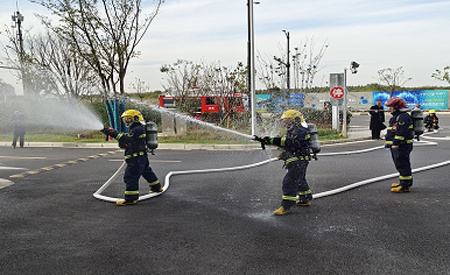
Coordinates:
<point>296,155</point>
<point>400,131</point>
<point>134,142</point>
<point>431,122</point>
<point>296,144</point>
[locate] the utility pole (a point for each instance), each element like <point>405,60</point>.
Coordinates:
<point>288,66</point>
<point>251,64</point>
<point>17,19</point>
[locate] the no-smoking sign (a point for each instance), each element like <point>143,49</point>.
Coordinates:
<point>337,92</point>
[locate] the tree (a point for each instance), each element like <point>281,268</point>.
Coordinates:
<point>183,81</point>
<point>272,71</point>
<point>105,33</point>
<point>63,65</point>
<point>35,80</point>
<point>188,80</point>
<point>392,78</point>
<point>140,88</point>
<point>442,75</point>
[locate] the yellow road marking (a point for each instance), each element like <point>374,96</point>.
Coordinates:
<point>34,172</point>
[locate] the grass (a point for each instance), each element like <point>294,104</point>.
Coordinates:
<point>199,136</point>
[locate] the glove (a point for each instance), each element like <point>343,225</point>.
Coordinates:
<point>259,139</point>
<point>107,131</point>
<point>263,141</point>
<point>267,140</point>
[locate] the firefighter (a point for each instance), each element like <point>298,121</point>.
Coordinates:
<point>431,121</point>
<point>134,143</point>
<point>295,152</point>
<point>399,139</point>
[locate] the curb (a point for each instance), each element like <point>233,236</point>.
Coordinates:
<point>169,146</point>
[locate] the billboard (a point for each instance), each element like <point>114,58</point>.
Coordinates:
<point>265,101</point>
<point>428,99</point>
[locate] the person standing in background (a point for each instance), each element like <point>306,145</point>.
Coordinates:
<point>19,129</point>
<point>376,119</point>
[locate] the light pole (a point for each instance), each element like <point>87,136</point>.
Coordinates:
<point>288,68</point>
<point>17,18</point>
<point>354,69</point>
<point>251,63</point>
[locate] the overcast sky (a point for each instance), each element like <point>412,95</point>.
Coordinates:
<point>375,33</point>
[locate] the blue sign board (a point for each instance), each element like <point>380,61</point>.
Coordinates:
<point>428,99</point>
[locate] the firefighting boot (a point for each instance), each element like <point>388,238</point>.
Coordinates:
<point>281,211</point>
<point>395,185</point>
<point>400,189</point>
<point>303,203</point>
<point>304,200</point>
<point>125,202</point>
<point>160,189</point>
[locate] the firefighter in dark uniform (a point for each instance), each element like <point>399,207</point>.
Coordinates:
<point>431,121</point>
<point>399,139</point>
<point>134,143</point>
<point>295,147</point>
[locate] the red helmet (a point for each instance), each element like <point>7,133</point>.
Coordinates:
<point>396,102</point>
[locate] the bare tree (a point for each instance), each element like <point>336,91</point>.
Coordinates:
<point>140,88</point>
<point>443,75</point>
<point>393,78</point>
<point>188,80</point>
<point>305,62</point>
<point>184,81</point>
<point>35,80</point>
<point>63,64</point>
<point>105,34</point>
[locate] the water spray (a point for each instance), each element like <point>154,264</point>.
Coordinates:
<point>190,119</point>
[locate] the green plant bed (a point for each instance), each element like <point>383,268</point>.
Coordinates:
<point>197,136</point>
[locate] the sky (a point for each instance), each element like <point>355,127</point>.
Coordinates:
<point>377,34</point>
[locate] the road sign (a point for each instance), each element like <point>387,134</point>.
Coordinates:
<point>337,92</point>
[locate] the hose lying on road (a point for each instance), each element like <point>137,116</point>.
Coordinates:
<point>98,194</point>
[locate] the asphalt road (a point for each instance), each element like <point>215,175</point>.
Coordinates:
<point>222,223</point>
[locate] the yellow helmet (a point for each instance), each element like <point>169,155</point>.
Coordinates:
<point>432,112</point>
<point>131,116</point>
<point>293,115</point>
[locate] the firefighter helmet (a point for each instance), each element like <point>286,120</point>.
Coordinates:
<point>432,112</point>
<point>131,116</point>
<point>292,116</point>
<point>396,102</point>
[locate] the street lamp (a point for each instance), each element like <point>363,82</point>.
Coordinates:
<point>251,63</point>
<point>17,18</point>
<point>354,69</point>
<point>288,67</point>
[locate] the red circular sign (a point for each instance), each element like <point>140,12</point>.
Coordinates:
<point>337,92</point>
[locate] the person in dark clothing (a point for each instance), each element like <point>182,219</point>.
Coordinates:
<point>376,119</point>
<point>134,143</point>
<point>296,155</point>
<point>399,139</point>
<point>19,129</point>
<point>431,121</point>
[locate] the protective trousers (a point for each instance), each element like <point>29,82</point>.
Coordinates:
<point>402,163</point>
<point>137,167</point>
<point>294,182</point>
